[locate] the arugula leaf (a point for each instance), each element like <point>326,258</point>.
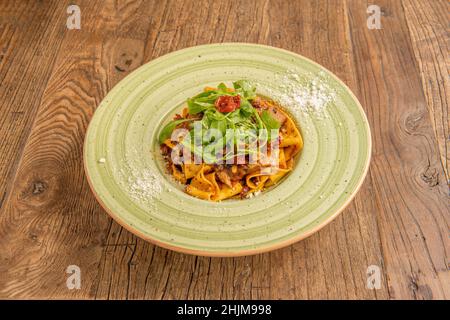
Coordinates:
<point>202,101</point>
<point>220,125</point>
<point>246,108</point>
<point>259,122</point>
<point>189,143</point>
<point>234,116</point>
<point>205,95</point>
<point>213,114</point>
<point>222,87</point>
<point>195,107</point>
<point>269,124</point>
<point>206,121</point>
<point>210,150</point>
<point>245,89</point>
<point>166,132</point>
<point>269,121</point>
<point>204,104</point>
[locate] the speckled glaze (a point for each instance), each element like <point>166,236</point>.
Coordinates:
<point>124,130</point>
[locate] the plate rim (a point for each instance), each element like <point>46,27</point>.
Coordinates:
<point>246,252</point>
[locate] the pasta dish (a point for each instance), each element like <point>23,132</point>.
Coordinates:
<point>230,143</point>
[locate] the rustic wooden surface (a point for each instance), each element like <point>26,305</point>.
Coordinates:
<point>52,79</point>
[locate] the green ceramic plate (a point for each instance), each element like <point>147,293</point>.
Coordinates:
<point>126,174</point>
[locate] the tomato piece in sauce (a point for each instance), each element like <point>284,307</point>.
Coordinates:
<point>228,103</point>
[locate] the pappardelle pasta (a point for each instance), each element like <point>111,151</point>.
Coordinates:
<point>230,143</point>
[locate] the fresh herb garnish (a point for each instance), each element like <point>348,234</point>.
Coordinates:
<point>269,122</point>
<point>166,132</point>
<point>244,119</point>
<point>245,89</point>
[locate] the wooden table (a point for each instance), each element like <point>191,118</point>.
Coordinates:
<point>52,79</point>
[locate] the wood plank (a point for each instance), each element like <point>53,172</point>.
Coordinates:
<point>413,215</point>
<point>26,59</point>
<point>428,25</point>
<point>52,220</point>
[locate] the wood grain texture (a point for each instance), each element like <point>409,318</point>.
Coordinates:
<point>430,38</point>
<point>49,219</point>
<point>25,65</point>
<point>413,214</point>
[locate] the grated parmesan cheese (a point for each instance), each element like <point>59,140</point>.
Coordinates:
<point>300,94</point>
<point>144,185</point>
